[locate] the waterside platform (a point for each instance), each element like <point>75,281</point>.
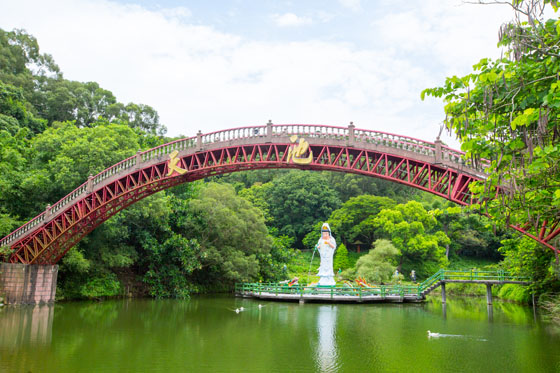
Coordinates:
<point>330,294</point>
<point>397,293</point>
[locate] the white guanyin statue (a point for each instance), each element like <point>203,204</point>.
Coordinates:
<point>326,247</point>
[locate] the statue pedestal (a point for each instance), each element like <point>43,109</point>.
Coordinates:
<point>326,281</point>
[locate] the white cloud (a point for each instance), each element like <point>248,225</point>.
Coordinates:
<point>324,17</point>
<point>200,78</point>
<point>180,12</point>
<point>351,4</point>
<point>453,34</point>
<point>290,20</point>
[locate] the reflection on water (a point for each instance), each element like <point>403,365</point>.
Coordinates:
<point>26,325</point>
<point>205,335</point>
<point>326,348</point>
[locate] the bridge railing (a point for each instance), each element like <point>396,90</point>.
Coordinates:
<point>233,134</point>
<point>269,131</point>
<point>477,275</point>
<point>470,275</point>
<point>459,157</point>
<point>431,280</point>
<point>277,289</point>
<point>314,131</point>
<point>395,141</point>
<point>357,136</point>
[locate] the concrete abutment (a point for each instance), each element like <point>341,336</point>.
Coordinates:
<point>28,284</point>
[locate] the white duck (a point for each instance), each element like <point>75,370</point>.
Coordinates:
<point>433,335</point>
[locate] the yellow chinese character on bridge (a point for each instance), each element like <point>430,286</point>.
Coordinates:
<point>172,164</point>
<point>296,152</point>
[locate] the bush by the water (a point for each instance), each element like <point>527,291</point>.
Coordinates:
<point>516,293</point>
<point>378,265</point>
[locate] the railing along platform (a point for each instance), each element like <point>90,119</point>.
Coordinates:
<point>376,293</point>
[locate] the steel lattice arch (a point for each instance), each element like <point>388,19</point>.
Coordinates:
<point>429,166</point>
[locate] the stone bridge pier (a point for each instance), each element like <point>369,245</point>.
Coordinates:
<point>28,284</point>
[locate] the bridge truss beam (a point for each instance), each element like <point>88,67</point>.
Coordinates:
<point>49,243</point>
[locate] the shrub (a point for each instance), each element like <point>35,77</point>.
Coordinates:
<point>516,293</point>
<point>378,264</point>
<point>105,285</point>
<point>341,258</point>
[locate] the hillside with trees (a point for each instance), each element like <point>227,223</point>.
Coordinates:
<point>242,227</point>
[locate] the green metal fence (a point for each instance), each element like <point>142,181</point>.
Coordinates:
<point>401,290</point>
<point>326,291</point>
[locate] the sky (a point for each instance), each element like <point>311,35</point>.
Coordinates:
<point>211,65</point>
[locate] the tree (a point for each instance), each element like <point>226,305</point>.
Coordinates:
<point>341,258</point>
<point>353,221</point>
<point>412,230</point>
<point>40,171</point>
<point>47,95</point>
<point>169,265</point>
<point>257,195</point>
<point>143,117</point>
<point>506,114</point>
<point>18,52</point>
<point>470,234</point>
<point>525,257</point>
<point>231,233</point>
<point>247,179</point>
<point>138,243</point>
<point>298,200</point>
<point>351,185</point>
<point>14,112</point>
<point>19,182</point>
<point>379,264</point>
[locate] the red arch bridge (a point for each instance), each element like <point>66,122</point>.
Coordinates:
<point>429,166</point>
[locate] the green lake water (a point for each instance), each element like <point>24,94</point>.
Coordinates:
<point>204,334</point>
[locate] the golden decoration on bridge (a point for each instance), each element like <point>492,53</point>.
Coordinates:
<point>296,152</point>
<point>172,164</point>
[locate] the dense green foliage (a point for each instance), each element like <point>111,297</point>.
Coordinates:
<point>506,113</point>
<point>298,200</point>
<point>353,221</point>
<point>379,264</point>
<point>208,235</point>
<point>470,234</point>
<point>413,231</point>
